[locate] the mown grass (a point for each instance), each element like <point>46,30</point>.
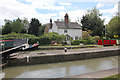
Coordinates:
<point>114,77</point>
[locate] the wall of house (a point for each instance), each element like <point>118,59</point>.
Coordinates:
<point>71,32</point>
<point>61,31</point>
<point>54,28</point>
<point>75,32</point>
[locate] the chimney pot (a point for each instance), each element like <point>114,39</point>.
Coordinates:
<point>50,23</point>
<point>66,18</point>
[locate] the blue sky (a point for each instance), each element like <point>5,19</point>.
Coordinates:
<point>55,9</point>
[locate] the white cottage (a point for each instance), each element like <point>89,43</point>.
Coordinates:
<point>70,29</point>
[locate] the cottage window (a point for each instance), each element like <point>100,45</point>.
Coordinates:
<point>76,37</point>
<point>65,30</point>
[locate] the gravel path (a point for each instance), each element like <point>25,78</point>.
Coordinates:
<point>57,52</point>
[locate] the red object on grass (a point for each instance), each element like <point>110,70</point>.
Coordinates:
<point>113,41</point>
<point>100,42</point>
<point>106,42</point>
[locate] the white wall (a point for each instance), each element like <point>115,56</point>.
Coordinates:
<point>70,32</point>
<point>54,28</point>
<point>75,32</point>
<point>61,31</point>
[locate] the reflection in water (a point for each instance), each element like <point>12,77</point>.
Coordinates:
<point>62,69</point>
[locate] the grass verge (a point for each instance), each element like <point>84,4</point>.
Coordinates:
<point>114,77</point>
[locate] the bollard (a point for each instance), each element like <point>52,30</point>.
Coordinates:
<point>65,49</point>
<point>27,58</point>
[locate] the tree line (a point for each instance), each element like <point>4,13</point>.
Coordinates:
<point>23,26</point>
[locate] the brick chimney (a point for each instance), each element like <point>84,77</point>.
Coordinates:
<point>50,23</point>
<point>66,18</point>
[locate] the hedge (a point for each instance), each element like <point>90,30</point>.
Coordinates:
<point>77,42</point>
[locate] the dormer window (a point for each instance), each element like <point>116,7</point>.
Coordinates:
<point>65,30</point>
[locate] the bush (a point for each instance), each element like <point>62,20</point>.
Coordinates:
<point>33,40</point>
<point>77,42</point>
<point>14,35</point>
<point>44,40</point>
<point>104,38</point>
<point>85,35</point>
<point>96,38</point>
<point>89,41</point>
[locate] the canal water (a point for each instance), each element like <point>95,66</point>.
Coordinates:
<point>61,69</point>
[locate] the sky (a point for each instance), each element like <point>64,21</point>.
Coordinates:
<point>55,9</point>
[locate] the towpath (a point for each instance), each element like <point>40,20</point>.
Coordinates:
<point>58,52</point>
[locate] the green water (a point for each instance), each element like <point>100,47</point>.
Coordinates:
<point>61,69</point>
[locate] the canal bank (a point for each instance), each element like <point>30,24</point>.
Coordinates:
<point>30,58</point>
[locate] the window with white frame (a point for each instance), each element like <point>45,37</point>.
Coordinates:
<point>65,30</point>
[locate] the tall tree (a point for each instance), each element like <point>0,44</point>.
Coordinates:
<point>34,27</point>
<point>17,26</point>
<point>113,27</point>
<point>25,24</point>
<point>92,21</point>
<point>41,29</point>
<point>7,28</point>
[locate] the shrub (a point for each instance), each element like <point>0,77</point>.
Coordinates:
<point>85,35</point>
<point>77,42</point>
<point>14,35</point>
<point>89,41</point>
<point>104,38</point>
<point>32,40</point>
<point>44,40</point>
<point>96,38</point>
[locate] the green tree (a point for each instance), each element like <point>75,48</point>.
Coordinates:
<point>17,26</point>
<point>92,21</point>
<point>113,27</point>
<point>48,38</point>
<point>34,27</point>
<point>55,37</point>
<point>41,29</point>
<point>7,28</point>
<point>25,24</point>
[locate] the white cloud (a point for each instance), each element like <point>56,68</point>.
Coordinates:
<point>106,18</point>
<point>112,11</point>
<point>45,4</point>
<point>65,4</point>
<point>113,1</point>
<point>99,5</point>
<point>14,9</point>
<point>74,15</point>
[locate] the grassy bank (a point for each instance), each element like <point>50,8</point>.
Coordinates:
<point>114,77</point>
